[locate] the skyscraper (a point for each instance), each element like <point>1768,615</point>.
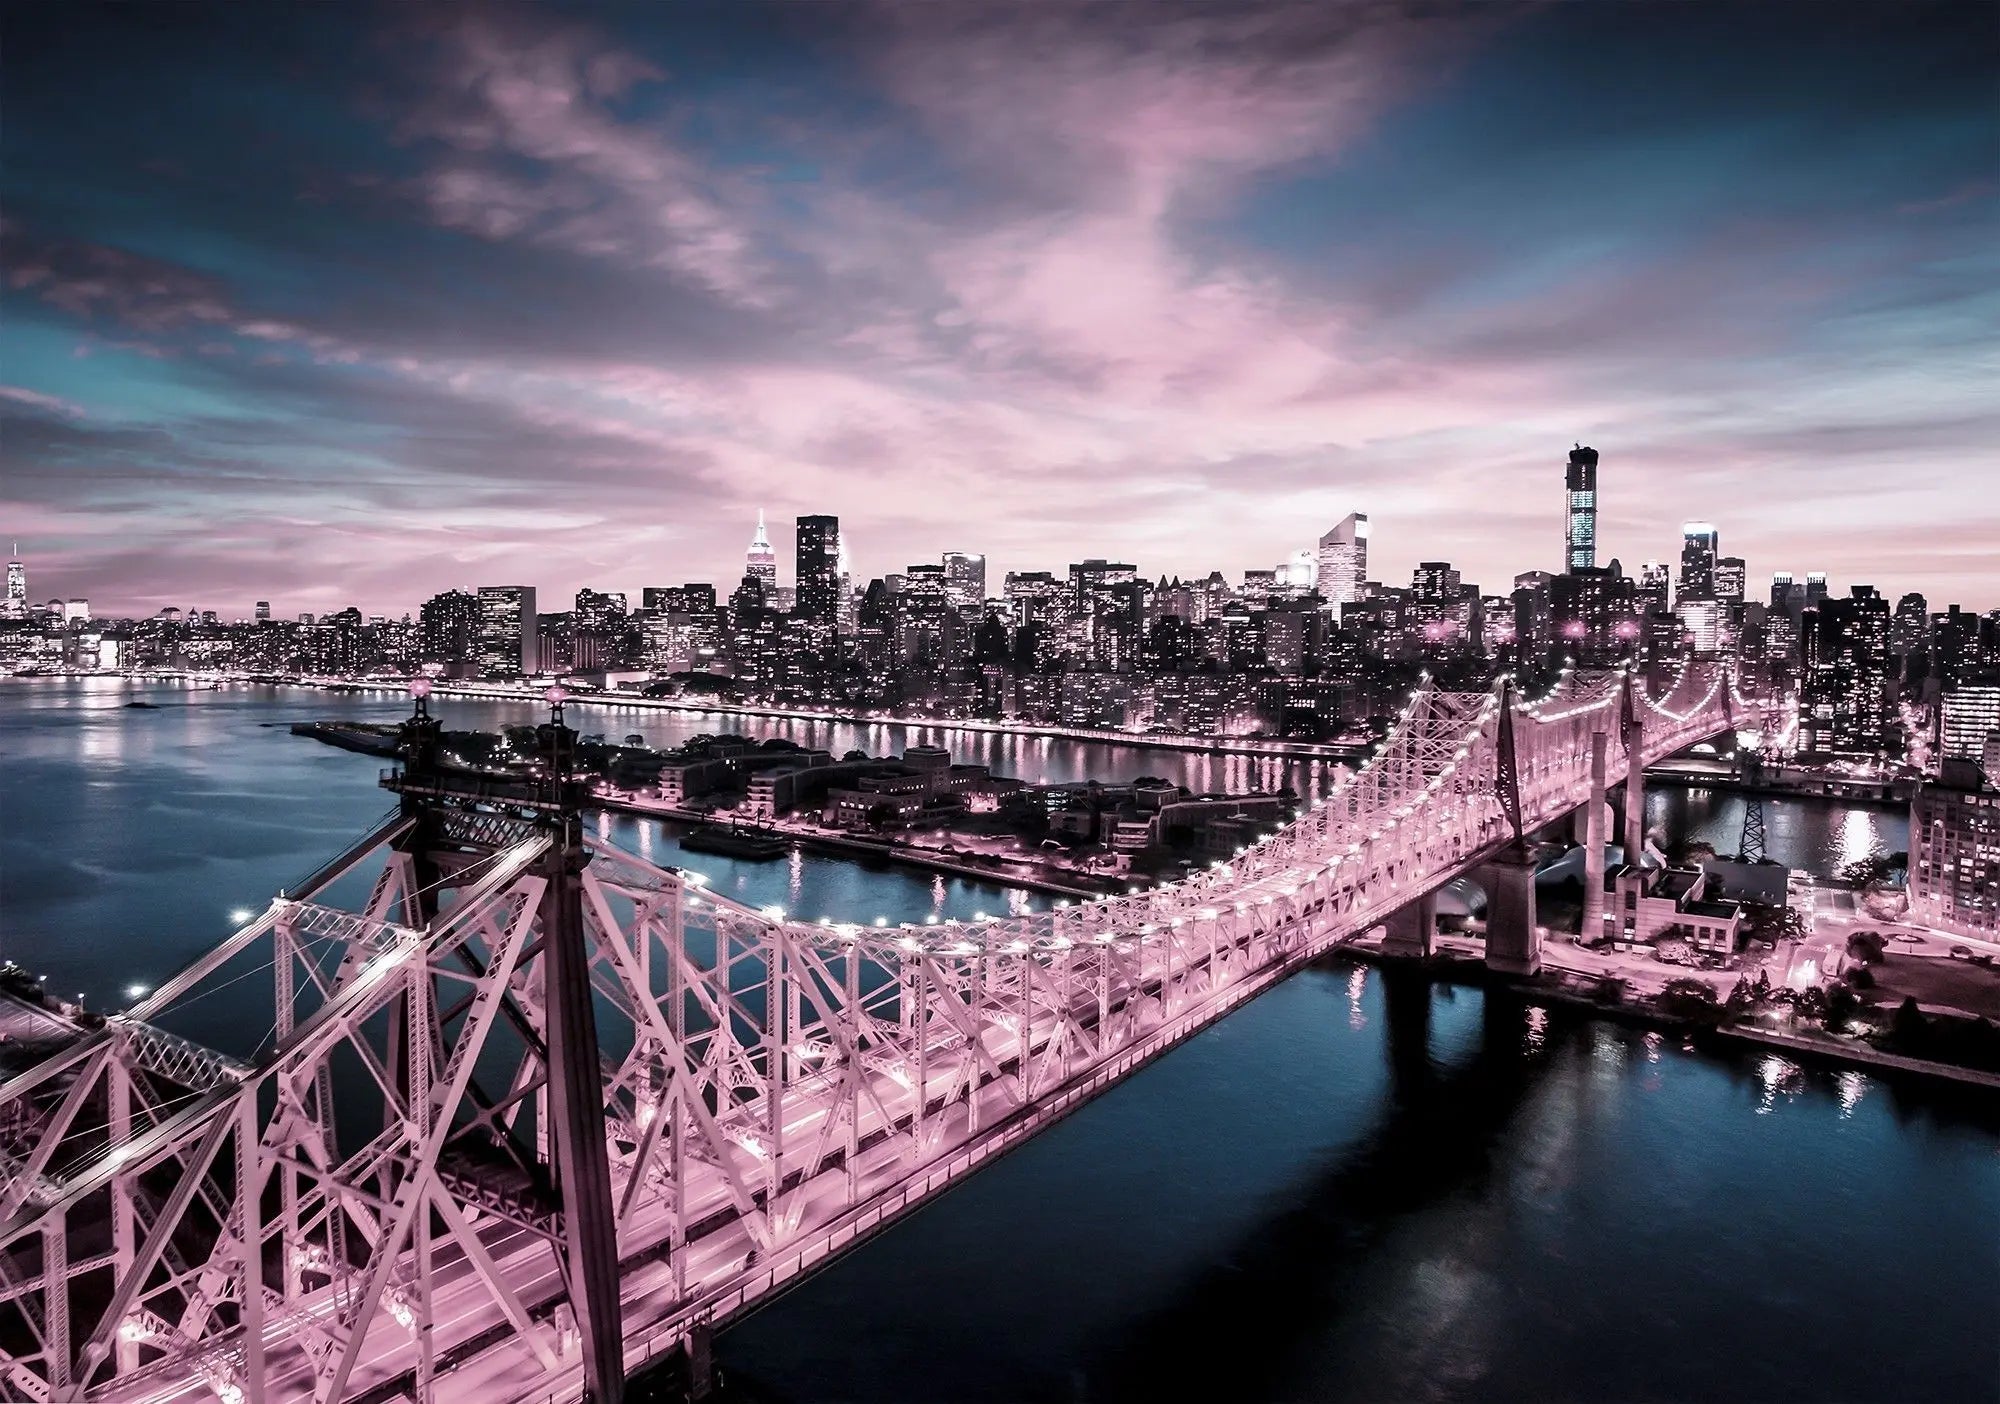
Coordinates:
<point>1730,580</point>
<point>760,562</point>
<point>845,617</point>
<point>818,572</point>
<point>965,580</point>
<point>1968,714</point>
<point>508,630</point>
<point>1699,543</point>
<point>1843,699</point>
<point>1580,485</point>
<point>1343,560</point>
<point>447,625</point>
<point>17,585</point>
<point>1654,586</point>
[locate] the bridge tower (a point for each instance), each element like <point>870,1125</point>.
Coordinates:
<point>576,1091</point>
<point>576,1171</point>
<point>1513,933</point>
<point>1632,732</point>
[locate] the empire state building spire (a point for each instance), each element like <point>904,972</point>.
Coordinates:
<point>761,562</point>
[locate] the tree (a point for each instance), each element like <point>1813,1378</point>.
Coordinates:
<point>1841,1005</point>
<point>1863,872</point>
<point>1687,998</point>
<point>1866,947</point>
<point>882,816</point>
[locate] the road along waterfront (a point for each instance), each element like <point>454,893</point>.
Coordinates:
<point>1357,1187</point>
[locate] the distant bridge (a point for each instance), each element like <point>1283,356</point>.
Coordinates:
<point>531,1112</point>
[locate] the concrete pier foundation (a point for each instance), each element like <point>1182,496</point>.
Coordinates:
<point>1592,926</point>
<point>1635,803</point>
<point>699,1349</point>
<point>1513,937</point>
<point>1413,927</point>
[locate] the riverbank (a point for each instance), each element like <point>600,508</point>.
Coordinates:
<point>1556,985</point>
<point>367,741</point>
<point>1888,794</point>
<point>846,846</point>
<point>380,741</point>
<point>1332,752</point>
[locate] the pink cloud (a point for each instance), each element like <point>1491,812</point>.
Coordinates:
<point>608,190</point>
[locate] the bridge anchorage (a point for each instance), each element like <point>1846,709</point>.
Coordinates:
<point>489,1109</point>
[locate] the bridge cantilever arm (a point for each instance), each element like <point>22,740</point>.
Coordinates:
<point>1507,772</point>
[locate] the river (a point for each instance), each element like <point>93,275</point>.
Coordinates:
<point>1352,1189</point>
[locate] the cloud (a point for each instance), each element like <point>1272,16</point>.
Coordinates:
<point>1181,284</point>
<point>594,185</point>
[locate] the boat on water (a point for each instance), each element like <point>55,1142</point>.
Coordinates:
<point>732,842</point>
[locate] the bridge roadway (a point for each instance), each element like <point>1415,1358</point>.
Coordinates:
<point>788,1089</point>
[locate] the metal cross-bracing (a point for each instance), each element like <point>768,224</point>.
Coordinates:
<point>376,1191</point>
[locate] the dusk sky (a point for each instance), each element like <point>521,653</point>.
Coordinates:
<point>342,304</point>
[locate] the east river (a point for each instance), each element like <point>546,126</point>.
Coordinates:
<point>1353,1189</point>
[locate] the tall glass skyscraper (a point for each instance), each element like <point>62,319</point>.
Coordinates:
<point>509,633</point>
<point>819,569</point>
<point>965,580</point>
<point>1580,485</point>
<point>1699,543</point>
<point>1343,560</point>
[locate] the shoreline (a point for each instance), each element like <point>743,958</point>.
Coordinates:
<point>840,845</point>
<point>1269,747</point>
<point>1449,969</point>
<point>1036,878</point>
<point>1868,793</point>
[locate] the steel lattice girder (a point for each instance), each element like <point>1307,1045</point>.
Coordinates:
<point>362,1201</point>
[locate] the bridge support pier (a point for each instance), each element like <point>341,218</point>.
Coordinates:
<point>1413,927</point>
<point>1513,939</point>
<point>1635,804</point>
<point>1591,928</point>
<point>699,1349</point>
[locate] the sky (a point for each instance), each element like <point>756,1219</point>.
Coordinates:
<point>350,304</point>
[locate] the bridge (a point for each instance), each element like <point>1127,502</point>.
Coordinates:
<point>508,1113</point>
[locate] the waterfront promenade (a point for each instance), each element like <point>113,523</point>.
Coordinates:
<point>1277,748</point>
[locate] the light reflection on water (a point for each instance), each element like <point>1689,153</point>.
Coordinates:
<point>1816,835</point>
<point>1860,837</point>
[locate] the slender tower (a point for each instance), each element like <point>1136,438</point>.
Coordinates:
<point>1580,484</point>
<point>16,606</point>
<point>761,562</point>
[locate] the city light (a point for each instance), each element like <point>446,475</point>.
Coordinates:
<point>1099,467</point>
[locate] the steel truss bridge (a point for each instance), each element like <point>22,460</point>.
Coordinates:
<point>527,1112</point>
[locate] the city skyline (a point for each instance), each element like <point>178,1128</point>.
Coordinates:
<point>765,561</point>
<point>507,295</point>
<point>773,564</point>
